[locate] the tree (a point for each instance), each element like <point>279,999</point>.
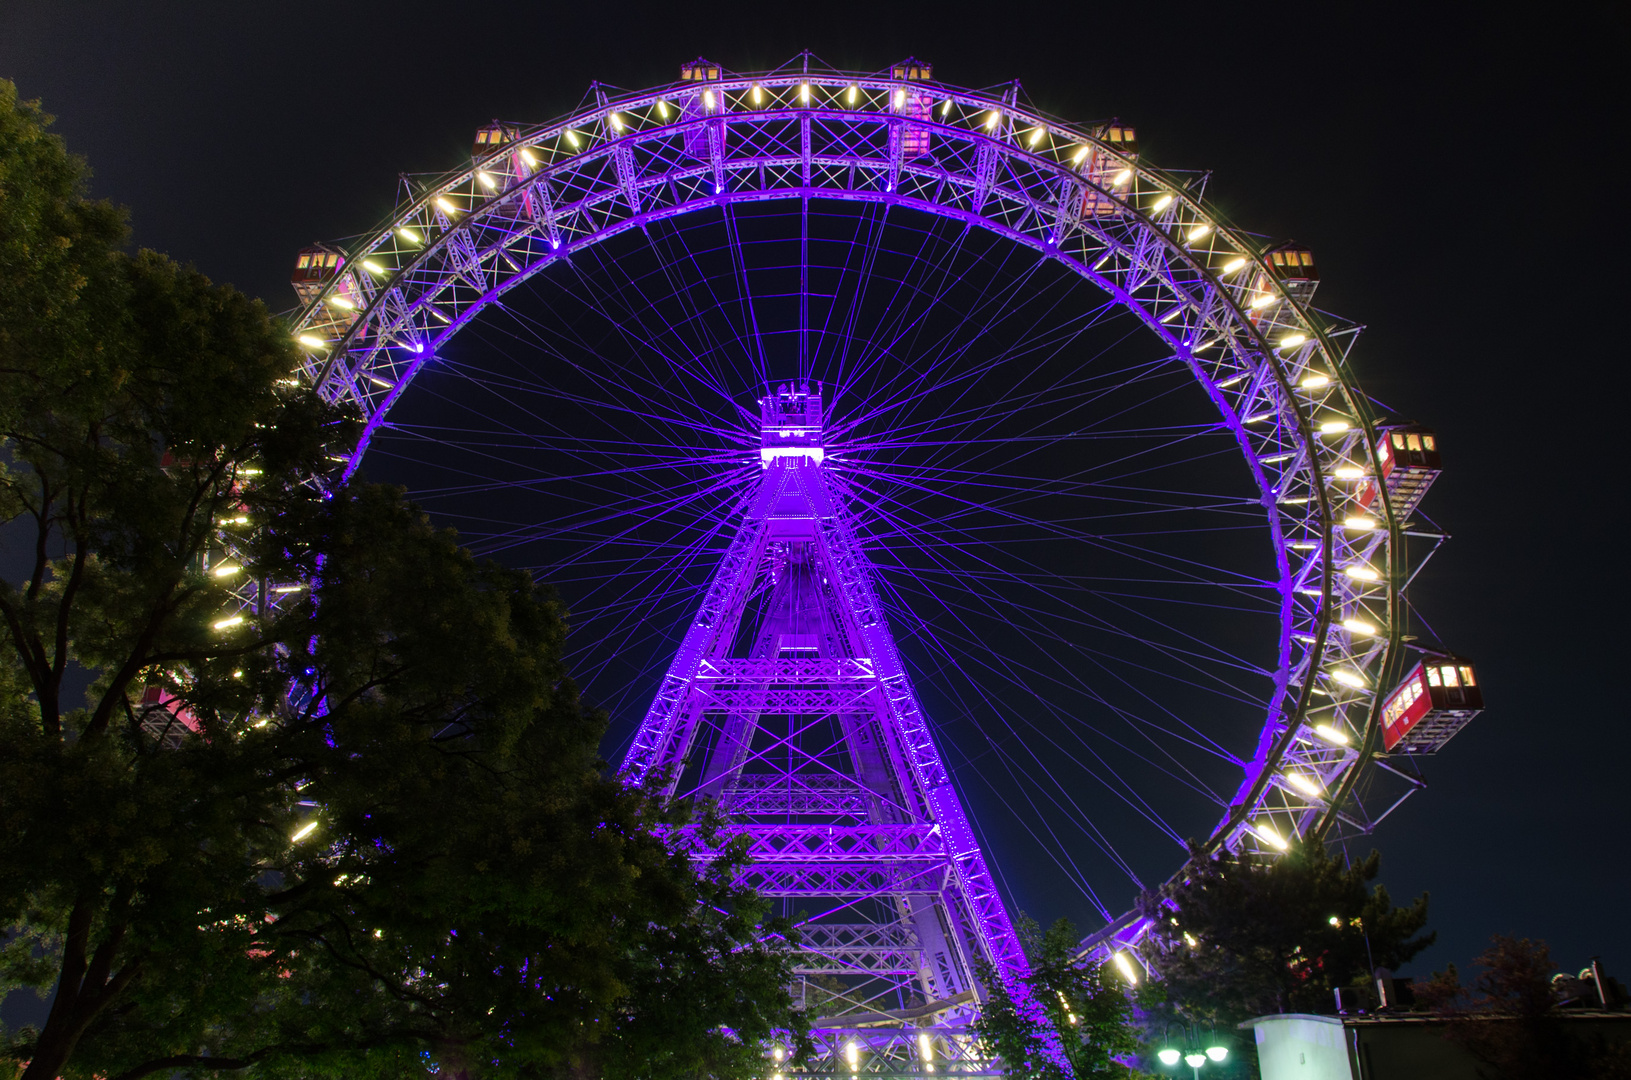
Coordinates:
<point>1234,937</point>
<point>1088,1006</point>
<point>350,820</point>
<point>1508,1020</point>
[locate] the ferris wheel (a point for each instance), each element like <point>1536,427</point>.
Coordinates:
<point>1141,540</point>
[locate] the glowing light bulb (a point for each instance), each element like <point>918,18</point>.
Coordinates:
<point>407,234</point>
<point>1125,965</point>
<point>227,571</point>
<point>1333,427</point>
<point>1360,572</point>
<point>1334,921</point>
<point>1076,158</point>
<point>804,92</point>
<point>1315,381</point>
<point>487,180</point>
<point>993,119</point>
<point>527,156</point>
<point>1359,521</point>
<point>572,136</point>
<point>312,342</point>
<point>1168,1056</point>
<point>925,1047</point>
<point>1161,204</point>
<point>1269,836</point>
<point>1262,300</point>
<point>1347,678</point>
<point>1359,627</point>
<point>758,97</point>
<point>1231,266</point>
<point>662,109</point>
<point>1199,233</point>
<point>1291,341</point>
<point>1331,734</point>
<point>616,121</point>
<point>1122,177</point>
<point>945,107</point>
<point>1194,1061</point>
<point>1036,135</point>
<point>1349,472</point>
<point>305,831</point>
<point>342,302</point>
<point>1189,939</point>
<point>855,91</point>
<point>373,267</point>
<point>446,204</point>
<point>1217,1053</point>
<point>1302,783</point>
<point>227,623</point>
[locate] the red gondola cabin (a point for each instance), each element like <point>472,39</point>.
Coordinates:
<point>1407,457</point>
<point>1436,700</point>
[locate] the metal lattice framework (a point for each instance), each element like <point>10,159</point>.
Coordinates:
<point>1274,368</point>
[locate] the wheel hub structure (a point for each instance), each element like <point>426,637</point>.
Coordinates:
<point>822,340</point>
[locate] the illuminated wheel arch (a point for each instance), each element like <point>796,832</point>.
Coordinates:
<point>1274,368</point>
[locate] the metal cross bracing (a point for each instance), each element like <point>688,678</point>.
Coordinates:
<point>787,703</point>
<point>1274,368</point>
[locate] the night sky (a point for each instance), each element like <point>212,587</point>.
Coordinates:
<point>1450,168</point>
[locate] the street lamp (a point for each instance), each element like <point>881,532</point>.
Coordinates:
<point>1194,1058</point>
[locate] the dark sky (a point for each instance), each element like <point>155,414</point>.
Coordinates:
<point>1449,166</point>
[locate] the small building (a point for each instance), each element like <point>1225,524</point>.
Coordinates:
<point>1398,1046</point>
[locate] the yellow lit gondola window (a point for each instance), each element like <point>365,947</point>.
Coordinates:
<point>305,261</point>
<point>1427,443</point>
<point>1449,676</point>
<point>1432,677</point>
<point>1414,441</point>
<point>1398,441</point>
<point>1467,678</point>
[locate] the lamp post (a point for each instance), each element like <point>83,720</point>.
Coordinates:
<point>1193,1057</point>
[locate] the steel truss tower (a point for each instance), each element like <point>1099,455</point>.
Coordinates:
<point>788,704</point>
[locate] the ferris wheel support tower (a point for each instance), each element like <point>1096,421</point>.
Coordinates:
<point>787,704</point>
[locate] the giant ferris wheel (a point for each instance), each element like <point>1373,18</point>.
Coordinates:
<point>940,487</point>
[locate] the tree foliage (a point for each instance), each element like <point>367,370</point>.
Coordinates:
<point>1508,1019</point>
<point>1087,1006</point>
<point>375,836</point>
<point>1233,938</point>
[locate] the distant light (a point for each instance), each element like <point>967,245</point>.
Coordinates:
<point>1122,177</point>
<point>312,342</point>
<point>446,205</point>
<point>1359,521</point>
<point>1161,204</point>
<point>945,107</point>
<point>1076,158</point>
<point>289,588</point>
<point>993,119</point>
<point>1360,572</point>
<point>1334,921</point>
<point>852,1054</point>
<point>526,155</point>
<point>1036,135</point>
<point>1195,1060</point>
<point>1168,1056</point>
<point>305,831</point>
<point>1302,783</point>
<point>407,234</point>
<point>1349,472</point>
<point>804,95</point>
<point>227,571</point>
<point>662,109</point>
<point>1189,939</point>
<point>1291,341</point>
<point>1269,836</point>
<point>1217,1053</point>
<point>1331,734</point>
<point>617,122</point>
<point>373,267</point>
<point>1332,427</point>
<point>759,96</point>
<point>487,180</point>
<point>1315,381</point>
<point>227,623</point>
<point>342,302</point>
<point>1261,301</point>
<point>572,136</point>
<point>1358,626</point>
<point>1125,965</point>
<point>777,1053</point>
<point>1198,233</point>
<point>854,91</point>
<point>1232,265</point>
<point>925,1047</point>
<point>1347,678</point>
